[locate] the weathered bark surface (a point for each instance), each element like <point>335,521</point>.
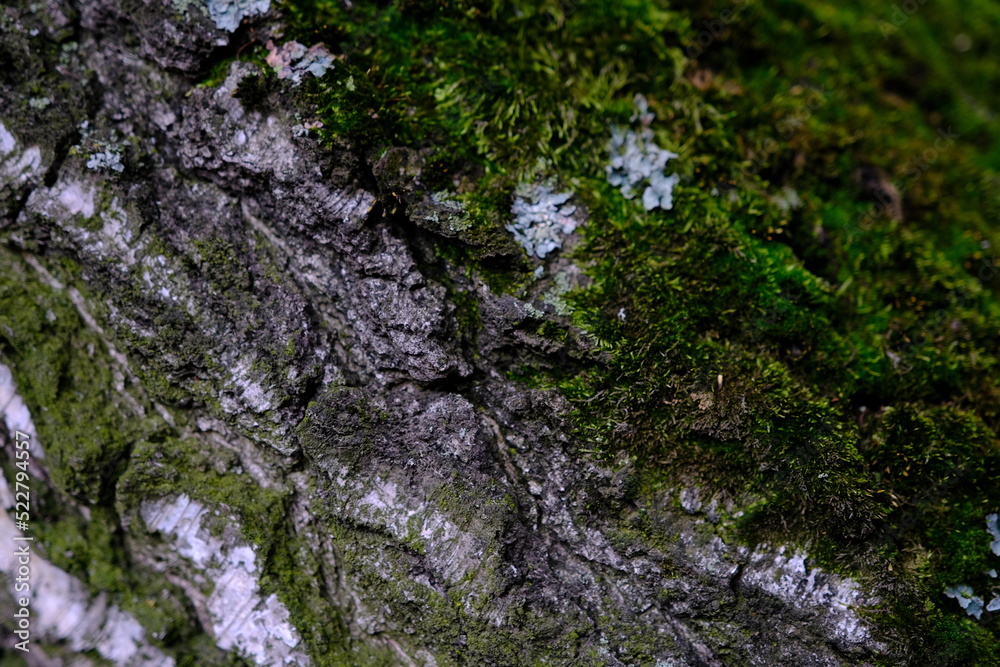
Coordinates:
<point>317,465</point>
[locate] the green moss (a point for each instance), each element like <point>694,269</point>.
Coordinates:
<point>88,431</point>
<point>217,75</point>
<point>300,583</point>
<point>222,265</point>
<point>165,466</point>
<point>64,373</point>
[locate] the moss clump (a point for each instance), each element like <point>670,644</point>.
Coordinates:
<point>166,466</point>
<point>222,266</point>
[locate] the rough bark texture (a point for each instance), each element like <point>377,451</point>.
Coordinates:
<point>267,437</point>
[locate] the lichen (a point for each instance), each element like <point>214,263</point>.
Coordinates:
<point>542,218</point>
<point>293,60</point>
<point>228,14</point>
<point>964,594</point>
<point>106,161</point>
<point>972,604</point>
<point>638,163</point>
<point>994,530</point>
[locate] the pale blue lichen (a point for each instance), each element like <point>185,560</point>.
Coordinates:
<point>227,14</point>
<point>107,160</point>
<point>303,129</point>
<point>293,60</point>
<point>555,296</point>
<point>542,218</point>
<point>971,603</point>
<point>637,162</point>
<point>787,199</point>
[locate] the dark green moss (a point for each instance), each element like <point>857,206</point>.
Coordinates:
<point>65,374</point>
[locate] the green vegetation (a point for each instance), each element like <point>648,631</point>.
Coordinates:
<point>90,430</point>
<point>814,325</point>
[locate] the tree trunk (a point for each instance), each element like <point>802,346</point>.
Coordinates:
<point>268,424</point>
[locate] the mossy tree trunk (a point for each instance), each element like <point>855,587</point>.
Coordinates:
<point>291,405</point>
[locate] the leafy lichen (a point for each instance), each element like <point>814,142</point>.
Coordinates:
<point>637,163</point>
<point>542,218</point>
<point>293,60</point>
<point>228,14</point>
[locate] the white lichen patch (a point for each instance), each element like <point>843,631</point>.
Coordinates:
<point>542,218</point>
<point>637,163</point>
<point>787,199</point>
<point>241,617</point>
<point>17,167</point>
<point>963,593</point>
<point>555,296</point>
<point>994,530</point>
<point>293,60</point>
<point>107,160</point>
<point>787,577</point>
<point>227,14</point>
<point>971,603</point>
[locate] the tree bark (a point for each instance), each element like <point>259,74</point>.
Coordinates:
<point>261,431</point>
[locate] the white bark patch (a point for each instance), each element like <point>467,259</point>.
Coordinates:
<point>15,167</point>
<point>116,231</point>
<point>77,199</point>
<point>250,391</point>
<point>15,413</point>
<point>452,550</point>
<point>787,577</point>
<point>242,618</point>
